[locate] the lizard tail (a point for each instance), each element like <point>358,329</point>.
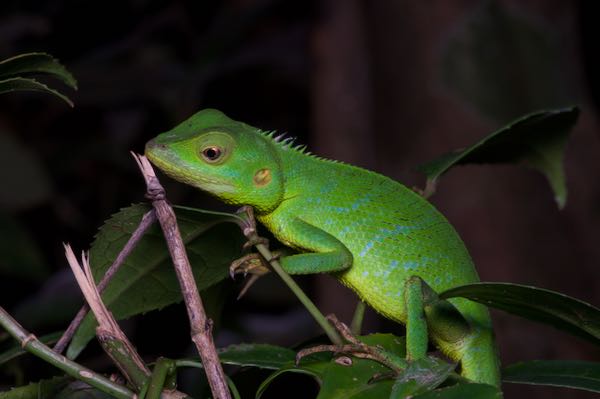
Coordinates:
<point>479,358</point>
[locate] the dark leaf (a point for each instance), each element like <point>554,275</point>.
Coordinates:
<point>561,311</point>
<point>537,140</point>
<point>257,355</point>
<point>421,376</point>
<point>28,84</point>
<point>262,356</point>
<point>560,373</point>
<point>36,63</point>
<point>463,391</point>
<point>147,281</point>
<point>355,381</point>
<point>35,390</point>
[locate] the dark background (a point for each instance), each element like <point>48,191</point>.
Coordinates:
<point>382,84</point>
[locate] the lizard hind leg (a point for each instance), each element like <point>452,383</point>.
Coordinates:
<point>428,316</point>
<point>468,340</point>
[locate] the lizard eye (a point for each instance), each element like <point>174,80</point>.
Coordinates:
<point>214,148</point>
<point>212,154</point>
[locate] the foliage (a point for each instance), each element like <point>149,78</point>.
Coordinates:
<point>146,281</point>
<point>536,140</point>
<point>15,72</point>
<point>558,310</point>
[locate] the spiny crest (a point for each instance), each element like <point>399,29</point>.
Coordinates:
<point>287,143</point>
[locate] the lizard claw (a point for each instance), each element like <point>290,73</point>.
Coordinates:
<point>253,264</point>
<point>247,284</point>
<point>255,241</point>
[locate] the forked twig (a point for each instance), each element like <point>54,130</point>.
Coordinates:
<point>201,326</point>
<point>249,230</point>
<point>112,338</point>
<point>32,345</point>
<point>147,220</point>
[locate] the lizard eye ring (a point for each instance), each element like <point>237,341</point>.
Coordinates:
<point>212,154</point>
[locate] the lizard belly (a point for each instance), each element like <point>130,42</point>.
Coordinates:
<point>379,279</point>
<point>385,254</point>
<point>392,233</point>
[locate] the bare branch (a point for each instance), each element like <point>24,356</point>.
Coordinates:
<point>32,345</point>
<point>147,220</point>
<point>112,338</point>
<point>201,326</point>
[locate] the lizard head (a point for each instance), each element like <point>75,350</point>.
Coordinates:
<point>228,159</point>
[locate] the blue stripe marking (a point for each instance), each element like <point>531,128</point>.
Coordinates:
<point>366,249</point>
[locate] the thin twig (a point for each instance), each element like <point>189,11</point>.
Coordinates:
<point>201,326</point>
<point>357,319</point>
<point>32,345</point>
<point>113,340</point>
<point>147,220</point>
<point>249,230</point>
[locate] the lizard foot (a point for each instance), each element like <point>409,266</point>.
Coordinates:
<point>253,264</point>
<point>254,241</point>
<point>355,348</point>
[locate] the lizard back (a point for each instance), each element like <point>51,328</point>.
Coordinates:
<point>392,232</point>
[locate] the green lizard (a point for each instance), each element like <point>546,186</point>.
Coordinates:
<point>375,235</point>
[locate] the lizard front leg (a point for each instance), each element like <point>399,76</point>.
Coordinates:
<point>325,253</point>
<point>321,251</point>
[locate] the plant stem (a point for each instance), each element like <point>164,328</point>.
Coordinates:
<point>147,220</point>
<point>308,304</point>
<point>249,230</point>
<point>35,347</point>
<point>162,369</point>
<point>201,326</point>
<point>357,319</point>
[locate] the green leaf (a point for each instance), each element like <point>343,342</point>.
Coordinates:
<point>146,280</point>
<point>339,381</point>
<point>559,373</point>
<point>537,140</point>
<point>36,63</point>
<point>257,355</point>
<point>462,391</point>
<point>35,390</point>
<point>558,310</point>
<point>315,372</point>
<point>262,356</point>
<point>28,84</point>
<point>235,393</point>
<point>421,376</point>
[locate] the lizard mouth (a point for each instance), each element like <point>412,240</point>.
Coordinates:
<point>173,166</point>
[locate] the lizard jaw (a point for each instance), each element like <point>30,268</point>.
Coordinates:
<point>168,162</point>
